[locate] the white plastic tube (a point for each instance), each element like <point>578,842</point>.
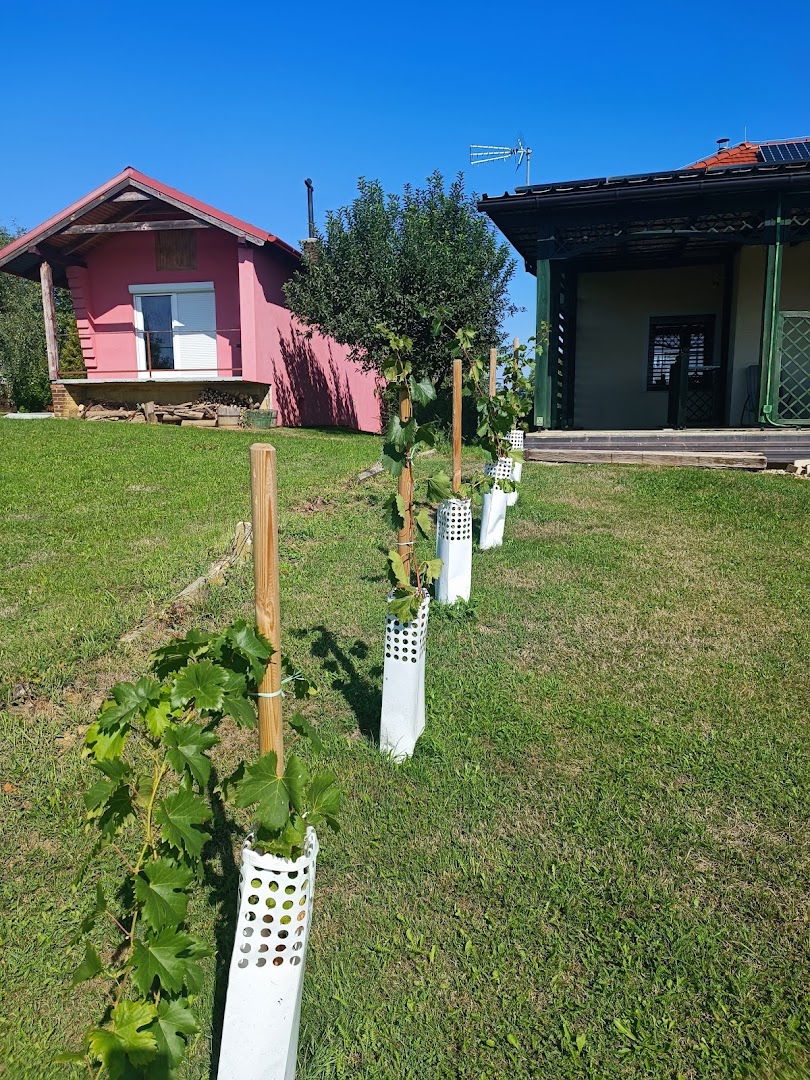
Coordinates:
<point>493,511</point>
<point>454,548</point>
<point>515,440</point>
<point>266,976</point>
<point>402,718</point>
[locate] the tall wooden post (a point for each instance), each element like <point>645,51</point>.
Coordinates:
<point>268,611</point>
<point>456,425</point>
<point>405,534</point>
<point>515,344</point>
<point>493,371</point>
<point>49,314</point>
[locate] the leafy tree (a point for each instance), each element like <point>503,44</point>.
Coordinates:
<point>385,259</point>
<point>23,357</point>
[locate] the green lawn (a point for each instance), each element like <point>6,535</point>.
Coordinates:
<point>596,863</point>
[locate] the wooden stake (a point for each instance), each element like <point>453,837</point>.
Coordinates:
<point>265,575</point>
<point>516,344</point>
<point>49,313</point>
<point>493,368</point>
<point>405,534</point>
<point>456,425</point>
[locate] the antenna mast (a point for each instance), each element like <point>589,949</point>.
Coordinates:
<point>480,155</point>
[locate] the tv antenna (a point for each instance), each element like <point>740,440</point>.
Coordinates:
<point>480,155</point>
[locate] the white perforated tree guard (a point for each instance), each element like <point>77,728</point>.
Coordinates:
<point>454,548</point>
<point>515,440</point>
<point>493,512</point>
<point>266,976</point>
<point>402,718</point>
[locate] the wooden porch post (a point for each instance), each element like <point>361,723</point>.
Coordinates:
<point>49,313</point>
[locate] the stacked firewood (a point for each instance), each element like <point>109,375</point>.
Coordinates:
<point>186,414</point>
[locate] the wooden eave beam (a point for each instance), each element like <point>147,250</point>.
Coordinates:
<point>133,226</point>
<point>56,257</point>
<point>217,223</point>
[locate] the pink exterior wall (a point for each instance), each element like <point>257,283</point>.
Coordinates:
<point>314,383</point>
<point>104,304</point>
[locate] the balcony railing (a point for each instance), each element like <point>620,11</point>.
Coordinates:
<point>157,355</point>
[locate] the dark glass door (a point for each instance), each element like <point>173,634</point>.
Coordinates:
<point>157,332</point>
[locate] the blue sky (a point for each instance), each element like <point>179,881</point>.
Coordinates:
<point>237,103</point>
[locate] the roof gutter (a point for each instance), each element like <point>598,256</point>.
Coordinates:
<point>640,192</point>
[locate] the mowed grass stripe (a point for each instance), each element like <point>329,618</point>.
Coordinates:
<point>594,866</point>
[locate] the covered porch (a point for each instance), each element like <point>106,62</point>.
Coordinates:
<point>676,300</point>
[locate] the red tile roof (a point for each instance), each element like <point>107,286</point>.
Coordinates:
<point>744,153</point>
<point>155,187</point>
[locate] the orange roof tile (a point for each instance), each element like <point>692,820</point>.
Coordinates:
<point>745,153</point>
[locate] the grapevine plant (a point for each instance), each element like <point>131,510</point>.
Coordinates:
<point>500,413</point>
<point>152,807</point>
<point>410,507</point>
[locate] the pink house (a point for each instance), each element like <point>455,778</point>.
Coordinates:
<point>172,296</point>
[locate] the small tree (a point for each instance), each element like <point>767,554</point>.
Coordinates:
<point>385,259</point>
<point>23,356</point>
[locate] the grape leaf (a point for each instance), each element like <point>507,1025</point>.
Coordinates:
<point>177,653</point>
<point>110,802</point>
<point>201,682</point>
<point>123,1041</point>
<point>303,727</point>
<point>439,487</point>
<point>294,833</point>
<point>422,521</point>
<point>179,815</point>
<point>89,967</point>
<point>296,777</point>
<point>167,957</point>
<point>247,640</point>
<point>161,889</point>
<point>433,567</point>
<point>397,572</point>
<point>324,797</point>
<point>174,1019</point>
<point>423,391</point>
<point>156,718</point>
<point>115,771</point>
<point>240,709</point>
<point>187,744</point>
<point>393,460</point>
<point>128,701</point>
<point>404,604</point>
<point>395,435</point>
<point>269,792</point>
<point>103,745</point>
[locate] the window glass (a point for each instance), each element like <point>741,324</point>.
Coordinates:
<point>157,328</point>
<point>671,337</point>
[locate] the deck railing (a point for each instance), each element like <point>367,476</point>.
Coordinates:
<point>149,344</point>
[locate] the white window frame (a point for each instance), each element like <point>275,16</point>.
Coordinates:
<point>167,289</point>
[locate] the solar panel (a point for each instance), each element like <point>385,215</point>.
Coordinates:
<point>776,153</point>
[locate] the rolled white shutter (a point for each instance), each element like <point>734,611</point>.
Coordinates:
<point>195,339</point>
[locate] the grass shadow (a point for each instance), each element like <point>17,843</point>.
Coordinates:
<point>361,692</point>
<point>223,883</point>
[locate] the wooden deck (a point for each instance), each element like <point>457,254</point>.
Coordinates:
<point>740,448</point>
